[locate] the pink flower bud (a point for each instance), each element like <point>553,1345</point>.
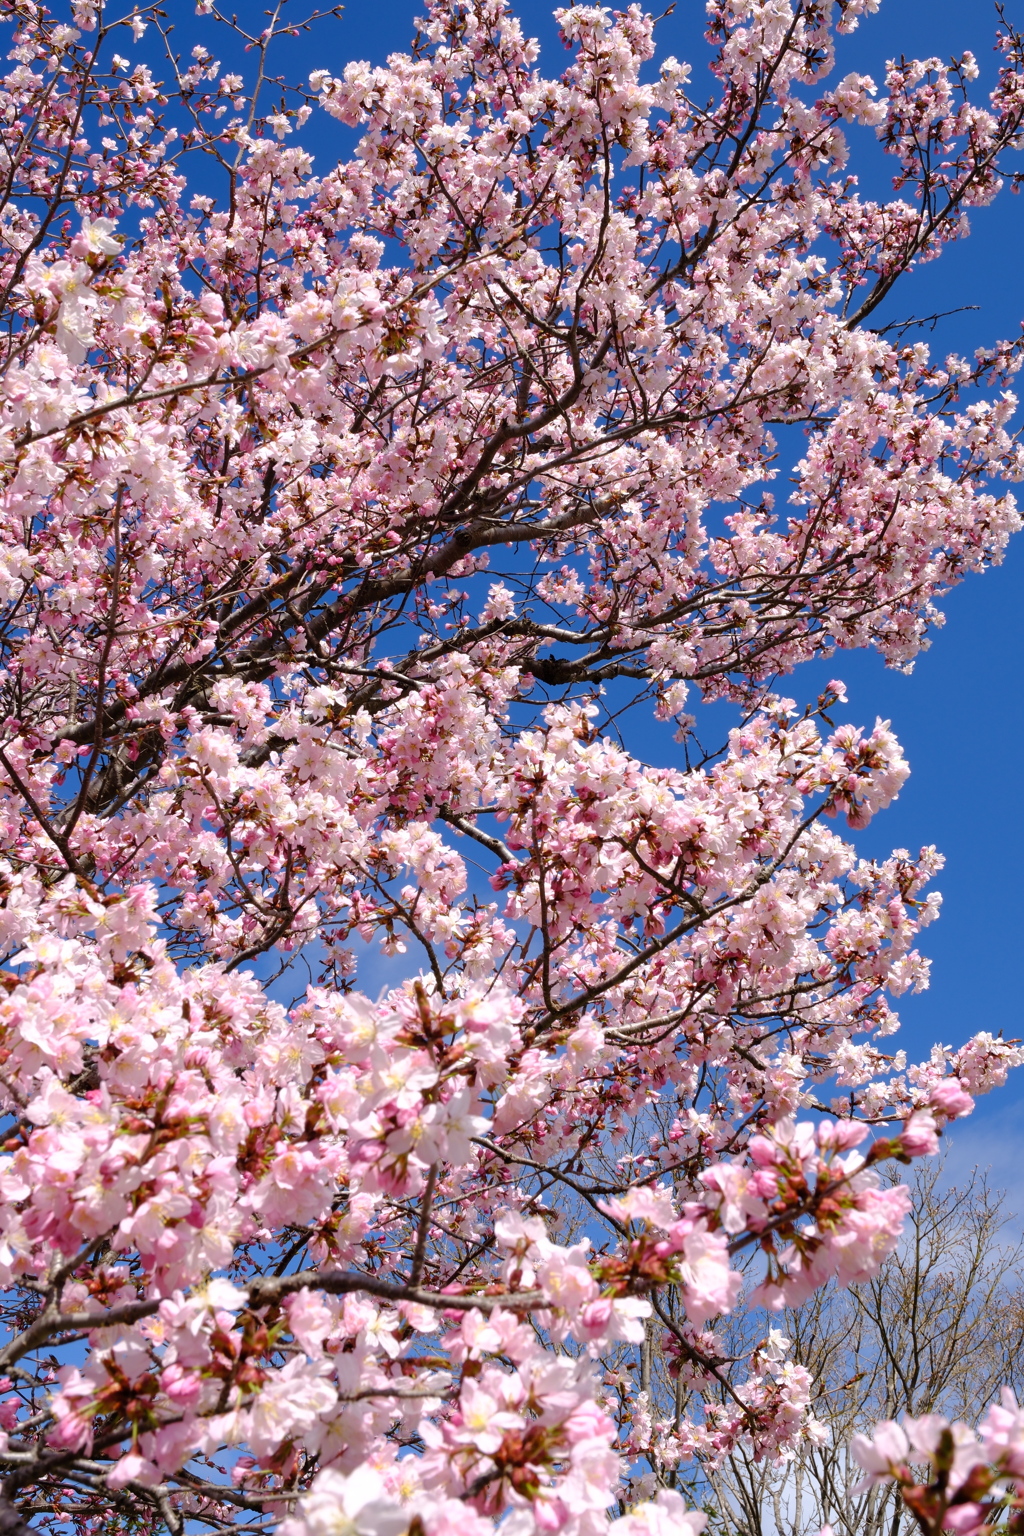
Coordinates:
<point>919,1137</point>
<point>951,1099</point>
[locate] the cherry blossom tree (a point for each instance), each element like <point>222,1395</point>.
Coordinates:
<point>346,509</point>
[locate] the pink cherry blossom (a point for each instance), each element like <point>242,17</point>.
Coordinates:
<point>666,1515</point>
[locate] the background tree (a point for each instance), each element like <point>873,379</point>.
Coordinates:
<point>344,515</point>
<point>936,1331</point>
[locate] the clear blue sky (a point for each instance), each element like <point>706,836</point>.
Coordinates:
<point>960,714</point>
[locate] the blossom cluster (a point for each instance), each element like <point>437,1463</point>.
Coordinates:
<point>972,1480</point>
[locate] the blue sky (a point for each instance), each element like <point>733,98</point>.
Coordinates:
<point>959,715</point>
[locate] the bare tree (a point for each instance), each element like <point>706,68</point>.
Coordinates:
<point>937,1331</point>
